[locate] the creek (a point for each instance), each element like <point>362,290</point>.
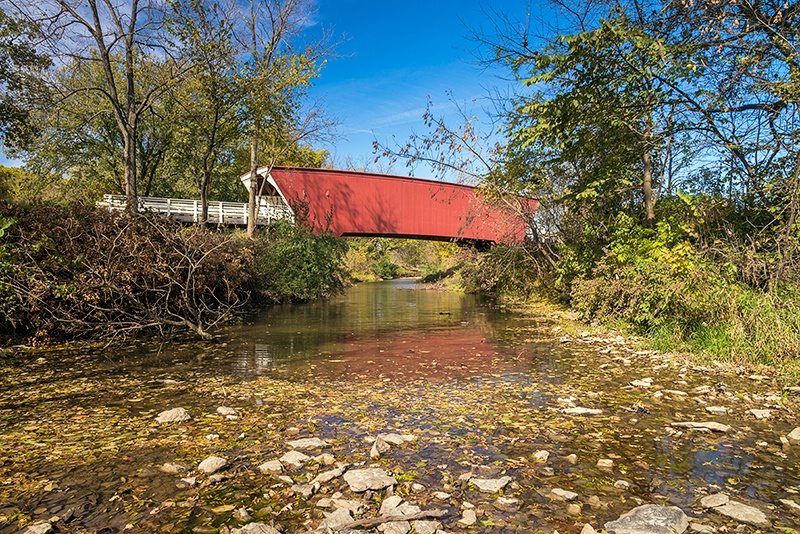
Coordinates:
<point>486,392</point>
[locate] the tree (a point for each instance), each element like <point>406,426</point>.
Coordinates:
<point>21,68</point>
<point>276,72</point>
<point>117,38</point>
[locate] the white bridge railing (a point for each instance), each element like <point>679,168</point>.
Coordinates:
<point>233,213</point>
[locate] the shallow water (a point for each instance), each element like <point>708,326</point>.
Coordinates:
<point>482,387</point>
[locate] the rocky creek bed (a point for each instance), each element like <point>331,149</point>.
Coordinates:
<point>545,433</point>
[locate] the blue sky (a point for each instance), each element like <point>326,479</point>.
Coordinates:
<point>395,55</point>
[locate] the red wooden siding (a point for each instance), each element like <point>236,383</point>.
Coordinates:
<point>352,203</point>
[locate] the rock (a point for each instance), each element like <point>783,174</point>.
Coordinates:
<point>490,485</point>
<point>792,389</point>
<point>650,519</point>
<point>225,410</point>
<point>547,471</point>
<point>308,444</point>
<point>712,501</point>
<point>717,410</point>
<point>622,484</point>
<point>217,477</point>
<point>605,463</point>
<point>379,447</point>
<point>336,520</point>
<point>273,467</point>
<point>563,494</point>
<point>507,504</point>
<point>255,528</point>
<point>416,487</point>
<point>397,439</point>
<point>327,476</point>
<point>368,479</point>
<point>175,415</point>
<point>707,425</point>
<point>426,527</point>
<point>794,436</point>
<point>325,459</point>
<point>588,529</point>
<point>541,456</point>
<point>579,410</point>
<point>389,504</point>
<point>241,514</point>
<point>571,459</point>
<point>41,527</point>
<point>286,479</point>
<point>760,414</point>
<point>294,459</point>
<point>188,482</point>
<point>643,383</point>
<point>744,514</point>
<point>468,518</point>
<point>212,464</point>
<point>702,529</point>
<point>173,469</point>
<point>573,509</point>
<point>395,527</point>
<point>354,507</point>
<point>441,495</point>
<point>676,392</point>
<point>791,506</point>
<point>305,490</point>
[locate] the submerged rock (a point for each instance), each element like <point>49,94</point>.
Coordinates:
<point>468,518</point>
<point>579,410</point>
<point>273,467</point>
<point>712,501</point>
<point>650,519</point>
<point>397,439</point>
<point>294,459</point>
<point>255,528</point>
<point>308,444</point>
<point>373,478</point>
<point>175,415</point>
<point>744,514</point>
<point>563,494</point>
<point>226,411</point>
<point>707,425</point>
<point>492,485</point>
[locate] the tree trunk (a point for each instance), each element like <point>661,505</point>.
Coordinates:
<point>649,199</point>
<point>204,199</point>
<point>129,165</point>
<point>252,197</point>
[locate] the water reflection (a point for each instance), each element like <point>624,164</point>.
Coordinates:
<point>375,320</point>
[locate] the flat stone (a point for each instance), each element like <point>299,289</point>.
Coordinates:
<point>273,467</point>
<point>294,459</point>
<point>308,444</point>
<point>707,425</point>
<point>468,518</point>
<point>173,469</point>
<point>507,504</point>
<point>395,527</point>
<point>712,501</point>
<point>368,479</point>
<point>650,519</point>
<point>441,495</point>
<point>354,507</point>
<point>580,410</point>
<point>760,414</point>
<point>588,529</point>
<point>573,509</point>
<point>397,439</point>
<point>394,505</point>
<point>212,464</point>
<point>744,514</point>
<point>426,527</point>
<point>327,476</point>
<point>622,484</point>
<point>541,456</point>
<point>255,528</point>
<point>42,527</point>
<point>175,415</point>
<point>491,485</point>
<point>226,411</point>
<point>717,410</point>
<point>643,383</point>
<point>571,459</point>
<point>336,520</point>
<point>791,506</point>
<point>701,528</point>
<point>305,490</point>
<point>676,392</point>
<point>564,494</point>
<point>792,389</point>
<point>794,435</point>
<point>605,463</point>
<point>325,459</point>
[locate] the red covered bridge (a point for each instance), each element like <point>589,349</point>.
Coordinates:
<point>350,203</point>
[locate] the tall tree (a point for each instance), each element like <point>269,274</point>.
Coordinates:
<point>117,37</point>
<point>21,75</point>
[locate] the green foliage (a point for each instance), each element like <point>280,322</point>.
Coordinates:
<point>294,264</point>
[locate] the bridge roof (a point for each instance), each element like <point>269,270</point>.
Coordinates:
<point>351,203</point>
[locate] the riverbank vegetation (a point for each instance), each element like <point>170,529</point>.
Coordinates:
<point>79,272</point>
<point>661,139</point>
